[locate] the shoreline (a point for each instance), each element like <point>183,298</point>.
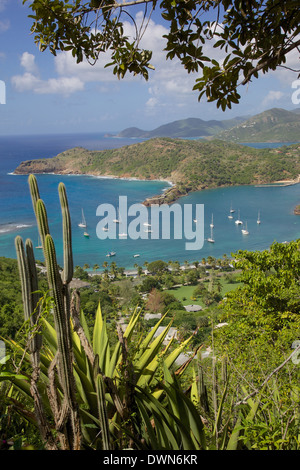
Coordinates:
<point>168,195</point>
<point>93,175</point>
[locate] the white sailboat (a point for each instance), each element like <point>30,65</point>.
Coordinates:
<point>245,230</point>
<point>231,210</point>
<point>238,221</point>
<point>39,245</point>
<point>212,221</point>
<point>117,221</point>
<point>211,238</point>
<point>83,222</point>
<point>258,218</point>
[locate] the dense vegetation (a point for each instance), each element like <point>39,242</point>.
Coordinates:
<point>274,125</point>
<point>191,165</point>
<point>257,302</point>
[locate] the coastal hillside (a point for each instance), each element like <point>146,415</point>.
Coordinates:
<point>274,125</point>
<point>189,164</point>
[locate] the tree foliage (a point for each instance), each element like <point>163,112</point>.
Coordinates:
<point>252,35</point>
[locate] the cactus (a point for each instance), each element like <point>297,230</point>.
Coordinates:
<point>29,286</point>
<point>34,191</point>
<point>202,390</point>
<point>66,415</point>
<point>67,235</point>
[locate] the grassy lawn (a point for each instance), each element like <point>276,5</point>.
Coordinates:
<point>227,286</point>
<point>186,292</point>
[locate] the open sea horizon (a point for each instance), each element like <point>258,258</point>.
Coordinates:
<point>275,205</point>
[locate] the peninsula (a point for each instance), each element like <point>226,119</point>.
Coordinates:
<point>190,165</point>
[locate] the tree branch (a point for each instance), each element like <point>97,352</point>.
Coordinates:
<point>244,401</point>
<point>280,54</point>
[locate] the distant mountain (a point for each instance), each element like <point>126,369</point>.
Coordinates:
<point>191,127</point>
<point>274,125</point>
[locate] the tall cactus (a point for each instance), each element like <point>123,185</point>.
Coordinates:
<point>67,235</point>
<point>66,415</point>
<point>29,287</point>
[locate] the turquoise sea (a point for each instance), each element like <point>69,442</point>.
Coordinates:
<point>275,204</point>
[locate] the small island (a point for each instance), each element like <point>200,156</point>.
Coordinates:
<point>189,165</point>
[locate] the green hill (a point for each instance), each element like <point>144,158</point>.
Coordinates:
<point>274,125</point>
<point>190,164</point>
<point>191,127</point>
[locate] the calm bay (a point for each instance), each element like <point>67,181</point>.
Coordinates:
<point>274,204</point>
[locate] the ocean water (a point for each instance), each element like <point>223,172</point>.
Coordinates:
<point>275,204</point>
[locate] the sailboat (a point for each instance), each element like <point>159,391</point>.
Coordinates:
<point>83,222</point>
<point>211,238</point>
<point>231,210</point>
<point>245,230</point>
<point>212,221</point>
<point>238,221</point>
<point>258,218</point>
<point>117,221</point>
<point>39,245</point>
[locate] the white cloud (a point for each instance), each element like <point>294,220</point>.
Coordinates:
<point>272,97</point>
<point>28,62</point>
<point>62,85</point>
<point>25,82</point>
<point>31,81</point>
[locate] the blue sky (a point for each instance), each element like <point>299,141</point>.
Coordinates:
<point>47,94</point>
